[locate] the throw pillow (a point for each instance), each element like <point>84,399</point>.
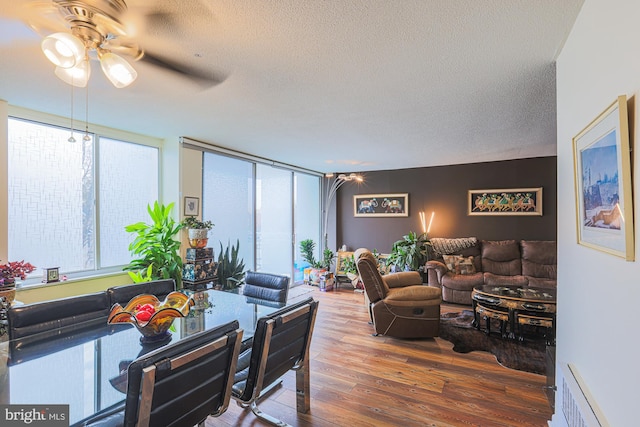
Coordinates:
<point>450,261</point>
<point>466,266</point>
<point>459,264</point>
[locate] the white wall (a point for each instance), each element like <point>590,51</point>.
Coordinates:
<point>598,294</point>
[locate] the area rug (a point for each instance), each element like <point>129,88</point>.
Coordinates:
<point>527,355</point>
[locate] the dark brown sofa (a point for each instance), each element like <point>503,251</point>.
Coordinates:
<point>503,262</point>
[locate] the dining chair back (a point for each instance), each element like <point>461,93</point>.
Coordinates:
<point>123,294</point>
<point>180,384</point>
<point>266,287</point>
<point>280,343</point>
<point>60,316</point>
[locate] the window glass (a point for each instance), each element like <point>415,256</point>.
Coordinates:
<point>306,205</point>
<point>128,183</point>
<point>227,189</point>
<point>51,203</point>
<point>273,220</point>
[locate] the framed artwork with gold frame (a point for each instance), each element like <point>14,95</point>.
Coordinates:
<point>602,172</point>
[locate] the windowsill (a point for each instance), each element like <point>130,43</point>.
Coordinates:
<point>31,284</point>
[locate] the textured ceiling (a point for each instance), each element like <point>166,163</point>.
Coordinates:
<point>336,85</point>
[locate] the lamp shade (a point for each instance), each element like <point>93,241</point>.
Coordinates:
<point>117,69</point>
<point>77,76</point>
<point>63,49</point>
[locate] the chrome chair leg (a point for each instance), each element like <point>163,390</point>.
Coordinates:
<point>266,417</point>
<point>303,388</point>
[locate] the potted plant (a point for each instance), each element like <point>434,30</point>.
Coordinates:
<point>230,267</point>
<point>9,272</point>
<point>319,268</point>
<point>350,269</point>
<point>410,253</point>
<point>155,249</point>
<point>198,231</point>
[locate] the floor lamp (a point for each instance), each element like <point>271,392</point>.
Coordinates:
<point>333,183</point>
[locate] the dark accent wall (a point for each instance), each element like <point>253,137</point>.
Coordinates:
<point>444,190</point>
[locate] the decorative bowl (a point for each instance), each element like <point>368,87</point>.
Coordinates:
<point>156,326</point>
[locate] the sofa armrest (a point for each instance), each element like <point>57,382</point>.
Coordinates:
<point>435,271</point>
<point>403,278</point>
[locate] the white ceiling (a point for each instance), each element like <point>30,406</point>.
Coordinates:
<point>328,85</point>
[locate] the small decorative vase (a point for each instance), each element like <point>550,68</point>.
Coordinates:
<point>198,237</point>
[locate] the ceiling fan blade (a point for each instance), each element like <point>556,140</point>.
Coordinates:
<point>41,16</point>
<point>203,77</point>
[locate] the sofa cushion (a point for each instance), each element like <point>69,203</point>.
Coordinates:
<point>539,259</point>
<point>501,257</point>
<point>459,264</point>
<point>462,282</point>
<point>491,279</point>
<point>536,282</point>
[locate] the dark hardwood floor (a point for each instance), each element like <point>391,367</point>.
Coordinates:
<point>361,380</point>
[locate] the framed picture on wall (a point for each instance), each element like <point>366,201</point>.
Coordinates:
<point>602,172</point>
<point>510,201</point>
<point>191,206</point>
<point>381,205</point>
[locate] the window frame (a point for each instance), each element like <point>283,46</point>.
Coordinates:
<point>97,131</point>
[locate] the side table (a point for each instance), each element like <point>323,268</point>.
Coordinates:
<point>199,269</point>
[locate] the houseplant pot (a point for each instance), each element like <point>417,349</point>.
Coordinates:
<point>9,272</point>
<point>8,291</point>
<point>198,237</point>
<point>198,231</point>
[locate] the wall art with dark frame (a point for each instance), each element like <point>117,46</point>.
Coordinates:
<point>191,206</point>
<point>381,205</point>
<point>602,172</point>
<point>505,201</point>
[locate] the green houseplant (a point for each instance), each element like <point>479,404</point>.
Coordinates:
<point>318,267</point>
<point>155,249</point>
<point>230,267</point>
<point>411,252</point>
<point>307,248</point>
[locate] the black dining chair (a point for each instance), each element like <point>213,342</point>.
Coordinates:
<point>123,294</point>
<point>265,288</point>
<point>180,384</point>
<point>280,343</point>
<point>43,320</point>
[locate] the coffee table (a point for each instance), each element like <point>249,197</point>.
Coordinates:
<point>515,307</point>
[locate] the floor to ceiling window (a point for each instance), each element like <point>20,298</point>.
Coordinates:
<point>267,209</point>
<point>274,217</point>
<point>69,202</point>
<point>227,201</point>
<point>306,209</point>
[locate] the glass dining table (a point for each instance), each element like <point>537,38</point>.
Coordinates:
<point>86,370</point>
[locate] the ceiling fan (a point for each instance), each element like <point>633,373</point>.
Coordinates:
<point>83,30</point>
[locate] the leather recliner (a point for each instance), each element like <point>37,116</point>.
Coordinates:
<point>399,304</point>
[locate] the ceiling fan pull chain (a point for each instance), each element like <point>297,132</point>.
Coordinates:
<point>86,136</point>
<point>71,138</point>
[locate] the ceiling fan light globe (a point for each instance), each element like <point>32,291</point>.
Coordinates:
<point>63,49</point>
<point>119,72</point>
<point>77,76</point>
